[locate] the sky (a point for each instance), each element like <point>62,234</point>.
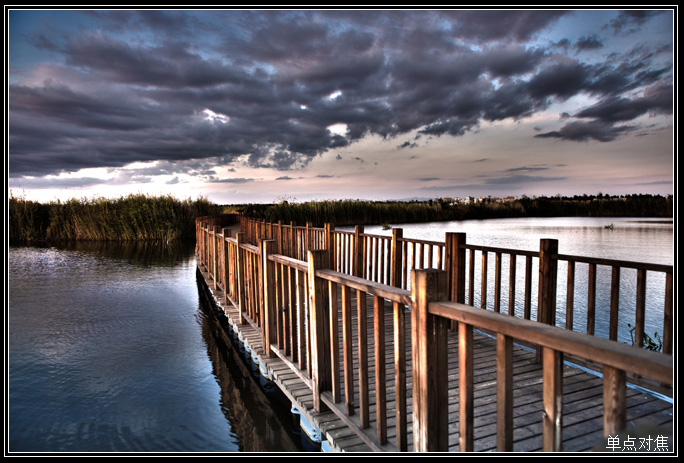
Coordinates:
<point>245,106</point>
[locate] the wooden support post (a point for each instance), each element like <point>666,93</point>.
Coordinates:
<point>269,320</point>
<point>548,265</point>
<point>455,265</point>
<point>429,336</point>
<point>241,280</point>
<point>279,237</point>
<point>357,259</point>
<point>548,270</point>
<point>320,328</point>
<point>226,264</point>
<point>215,256</point>
<point>396,257</point>
<point>330,244</point>
<point>614,401</point>
<point>552,422</point>
<point>308,246</point>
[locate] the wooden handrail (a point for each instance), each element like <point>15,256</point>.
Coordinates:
<point>431,310</point>
<point>641,362</point>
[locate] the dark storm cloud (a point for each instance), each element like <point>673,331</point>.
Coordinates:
<point>588,43</point>
<point>275,81</point>
<point>586,131</point>
<point>629,21</point>
<point>603,116</point>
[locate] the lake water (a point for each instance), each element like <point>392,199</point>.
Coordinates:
<point>110,350</point>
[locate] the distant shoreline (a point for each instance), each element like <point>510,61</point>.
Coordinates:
<point>147,218</point>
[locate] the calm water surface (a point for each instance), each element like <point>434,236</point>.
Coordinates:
<point>110,350</point>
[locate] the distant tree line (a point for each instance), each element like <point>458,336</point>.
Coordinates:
<point>351,212</point>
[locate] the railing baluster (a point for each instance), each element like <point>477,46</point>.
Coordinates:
<point>497,282</point>
<point>570,297</point>
<point>334,342</point>
<point>511,284</point>
<point>552,421</point>
<point>483,281</point>
<point>614,304</point>
<point>400,376</point>
<point>504,393</point>
<point>321,373</point>
<point>591,299</point>
<point>347,350</point>
<point>380,393</point>
<point>614,401</point>
<point>466,393</point>
<point>362,341</point>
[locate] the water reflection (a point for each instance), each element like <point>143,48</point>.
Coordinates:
<point>110,351</point>
<point>260,423</point>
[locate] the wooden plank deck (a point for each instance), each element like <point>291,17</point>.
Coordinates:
<point>647,415</point>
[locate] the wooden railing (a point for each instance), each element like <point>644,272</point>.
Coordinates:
<point>530,282</point>
<point>432,315</point>
<point>305,305</point>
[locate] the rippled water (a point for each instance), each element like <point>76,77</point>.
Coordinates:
<point>111,351</point>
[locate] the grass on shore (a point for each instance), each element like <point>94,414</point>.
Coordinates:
<point>136,217</point>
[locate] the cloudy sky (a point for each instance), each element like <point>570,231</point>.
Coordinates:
<point>259,106</point>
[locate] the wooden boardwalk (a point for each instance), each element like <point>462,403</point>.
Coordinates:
<point>648,416</point>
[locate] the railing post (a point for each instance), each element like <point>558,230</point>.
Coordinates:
<point>307,238</point>
<point>270,312</point>
<point>215,257</point>
<point>330,244</point>
<point>279,237</point>
<point>226,231</point>
<point>241,281</point>
<point>321,372</point>
<point>429,337</point>
<point>358,263</point>
<point>397,257</point>
<point>456,265</point>
<point>548,270</point>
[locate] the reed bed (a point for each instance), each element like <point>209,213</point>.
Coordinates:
<point>136,217</point>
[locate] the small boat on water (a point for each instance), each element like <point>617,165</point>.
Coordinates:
<point>610,227</point>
